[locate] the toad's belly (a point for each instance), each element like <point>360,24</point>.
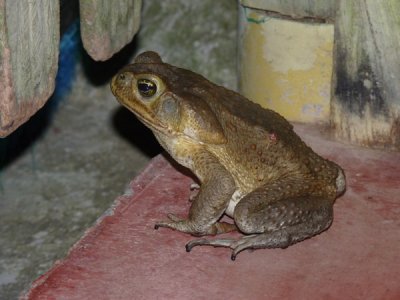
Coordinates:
<point>237,195</point>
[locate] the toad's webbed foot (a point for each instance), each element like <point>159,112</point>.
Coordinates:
<point>256,241</point>
<point>188,226</point>
<point>277,239</point>
<point>175,223</point>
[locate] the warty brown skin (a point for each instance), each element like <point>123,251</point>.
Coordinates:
<point>251,165</point>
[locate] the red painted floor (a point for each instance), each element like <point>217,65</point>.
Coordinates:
<point>123,257</point>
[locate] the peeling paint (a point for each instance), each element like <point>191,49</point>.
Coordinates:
<point>287,66</point>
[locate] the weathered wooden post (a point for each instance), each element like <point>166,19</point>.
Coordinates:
<point>366,80</point>
<point>107,26</point>
<point>29,44</point>
<point>29,38</point>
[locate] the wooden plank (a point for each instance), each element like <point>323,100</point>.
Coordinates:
<point>366,103</point>
<point>29,39</point>
<point>297,9</point>
<point>107,26</point>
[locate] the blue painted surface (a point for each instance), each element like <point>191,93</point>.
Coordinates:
<point>70,46</point>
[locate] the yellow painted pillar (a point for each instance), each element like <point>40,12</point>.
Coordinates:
<point>286,65</point>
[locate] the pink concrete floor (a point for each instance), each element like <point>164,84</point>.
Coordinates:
<point>123,257</point>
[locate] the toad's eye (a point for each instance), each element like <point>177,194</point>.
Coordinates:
<point>147,88</point>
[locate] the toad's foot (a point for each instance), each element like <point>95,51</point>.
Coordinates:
<point>277,239</point>
<point>188,226</point>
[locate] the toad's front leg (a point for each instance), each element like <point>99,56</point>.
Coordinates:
<point>217,187</point>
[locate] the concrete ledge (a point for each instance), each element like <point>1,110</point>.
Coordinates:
<point>123,257</point>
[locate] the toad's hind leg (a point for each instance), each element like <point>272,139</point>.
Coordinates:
<point>276,239</point>
<point>273,218</point>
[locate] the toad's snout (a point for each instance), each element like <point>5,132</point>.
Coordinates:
<point>121,82</point>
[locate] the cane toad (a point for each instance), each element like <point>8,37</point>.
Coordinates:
<point>250,163</point>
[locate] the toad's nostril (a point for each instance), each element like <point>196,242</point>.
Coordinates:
<point>122,77</point>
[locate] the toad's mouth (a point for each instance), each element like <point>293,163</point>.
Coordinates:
<point>147,118</point>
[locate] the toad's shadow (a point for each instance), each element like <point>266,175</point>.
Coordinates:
<point>132,130</point>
